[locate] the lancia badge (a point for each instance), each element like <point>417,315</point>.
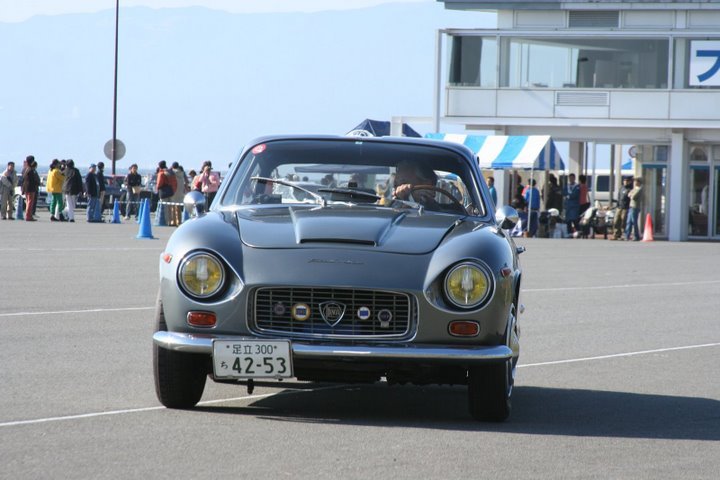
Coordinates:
<point>332,312</point>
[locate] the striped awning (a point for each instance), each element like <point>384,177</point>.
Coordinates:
<point>500,152</point>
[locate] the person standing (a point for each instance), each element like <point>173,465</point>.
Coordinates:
<point>532,199</point>
<point>55,180</point>
<point>207,182</point>
<point>8,182</point>
<point>102,184</point>
<point>636,197</point>
<point>72,187</point>
<point>30,188</point>
<point>622,210</point>
<point>166,186</point>
<point>92,188</point>
<point>493,192</point>
<point>552,194</point>
<point>572,204</point>
<point>177,198</point>
<point>133,183</point>
<point>584,199</point>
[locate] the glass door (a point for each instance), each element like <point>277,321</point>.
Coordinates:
<point>655,182</point>
<point>699,201</point>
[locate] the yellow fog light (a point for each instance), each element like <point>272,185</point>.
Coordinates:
<point>467,285</point>
<point>202,275</point>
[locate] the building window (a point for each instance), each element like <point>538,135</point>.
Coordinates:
<point>585,63</point>
<point>473,61</point>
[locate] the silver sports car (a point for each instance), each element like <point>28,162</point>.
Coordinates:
<point>343,259</point>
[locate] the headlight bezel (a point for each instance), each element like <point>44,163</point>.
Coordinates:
<point>194,256</point>
<point>484,270</point>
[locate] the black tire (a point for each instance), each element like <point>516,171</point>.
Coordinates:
<point>179,377</point>
<point>490,392</point>
<point>490,386</point>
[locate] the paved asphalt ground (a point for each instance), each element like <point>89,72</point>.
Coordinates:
<point>619,376</point>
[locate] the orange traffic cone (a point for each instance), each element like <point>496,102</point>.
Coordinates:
<point>648,230</point>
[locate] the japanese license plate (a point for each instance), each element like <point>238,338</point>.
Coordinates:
<point>252,358</point>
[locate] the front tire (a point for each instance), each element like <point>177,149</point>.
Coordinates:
<point>179,377</point>
<point>490,391</point>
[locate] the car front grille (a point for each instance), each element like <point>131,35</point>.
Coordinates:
<point>331,312</point>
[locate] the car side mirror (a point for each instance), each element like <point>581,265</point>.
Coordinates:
<point>195,204</point>
<point>506,217</point>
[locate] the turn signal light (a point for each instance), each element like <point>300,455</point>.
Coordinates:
<point>201,319</point>
<point>464,329</point>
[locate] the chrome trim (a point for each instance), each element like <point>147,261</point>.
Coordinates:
<point>192,343</point>
<point>410,331</point>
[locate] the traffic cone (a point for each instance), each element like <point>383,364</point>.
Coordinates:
<point>20,212</point>
<point>140,207</point>
<point>145,230</point>
<point>116,212</point>
<point>648,230</point>
<point>160,215</point>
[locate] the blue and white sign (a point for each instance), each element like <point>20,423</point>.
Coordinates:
<point>704,63</point>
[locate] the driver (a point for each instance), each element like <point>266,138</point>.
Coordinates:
<point>414,174</point>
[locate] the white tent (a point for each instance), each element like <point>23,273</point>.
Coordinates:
<point>500,152</point>
<point>517,152</point>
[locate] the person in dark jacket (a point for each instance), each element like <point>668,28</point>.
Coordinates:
<point>92,188</point>
<point>30,187</point>
<point>102,184</point>
<point>623,206</point>
<point>72,187</point>
<point>133,183</point>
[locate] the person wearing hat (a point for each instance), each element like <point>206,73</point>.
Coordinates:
<point>72,187</point>
<point>92,188</point>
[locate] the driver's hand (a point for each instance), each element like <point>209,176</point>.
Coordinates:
<point>402,191</point>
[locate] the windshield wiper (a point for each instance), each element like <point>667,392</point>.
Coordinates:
<point>320,199</point>
<point>352,193</point>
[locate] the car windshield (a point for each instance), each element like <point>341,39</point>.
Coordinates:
<point>315,171</point>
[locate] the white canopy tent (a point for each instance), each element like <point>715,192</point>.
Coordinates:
<point>517,152</point>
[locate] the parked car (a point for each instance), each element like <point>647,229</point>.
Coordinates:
<point>341,284</point>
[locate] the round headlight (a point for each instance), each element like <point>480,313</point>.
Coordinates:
<point>467,285</point>
<point>202,275</point>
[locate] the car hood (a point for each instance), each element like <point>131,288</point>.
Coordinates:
<point>379,229</point>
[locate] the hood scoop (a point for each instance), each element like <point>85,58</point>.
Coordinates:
<point>328,226</point>
<point>379,229</point>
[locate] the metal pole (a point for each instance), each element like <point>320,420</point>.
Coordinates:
<point>114,127</point>
<point>438,81</point>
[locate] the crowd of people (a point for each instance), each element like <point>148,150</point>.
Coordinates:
<point>65,184</point>
<point>572,203</point>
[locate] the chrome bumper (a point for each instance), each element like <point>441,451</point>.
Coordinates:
<point>190,343</point>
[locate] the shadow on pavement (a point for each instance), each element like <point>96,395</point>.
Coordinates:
<point>536,410</point>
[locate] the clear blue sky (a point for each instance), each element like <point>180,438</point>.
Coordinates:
<point>197,84</point>
<point>19,10</point>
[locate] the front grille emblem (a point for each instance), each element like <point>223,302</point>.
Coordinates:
<point>332,312</point>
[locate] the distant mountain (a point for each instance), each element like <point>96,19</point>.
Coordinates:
<point>196,84</point>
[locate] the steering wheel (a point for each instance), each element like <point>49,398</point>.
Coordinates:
<point>454,201</point>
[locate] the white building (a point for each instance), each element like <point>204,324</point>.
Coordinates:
<point>644,73</point>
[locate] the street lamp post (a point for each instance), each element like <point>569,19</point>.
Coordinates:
<point>114,127</point>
